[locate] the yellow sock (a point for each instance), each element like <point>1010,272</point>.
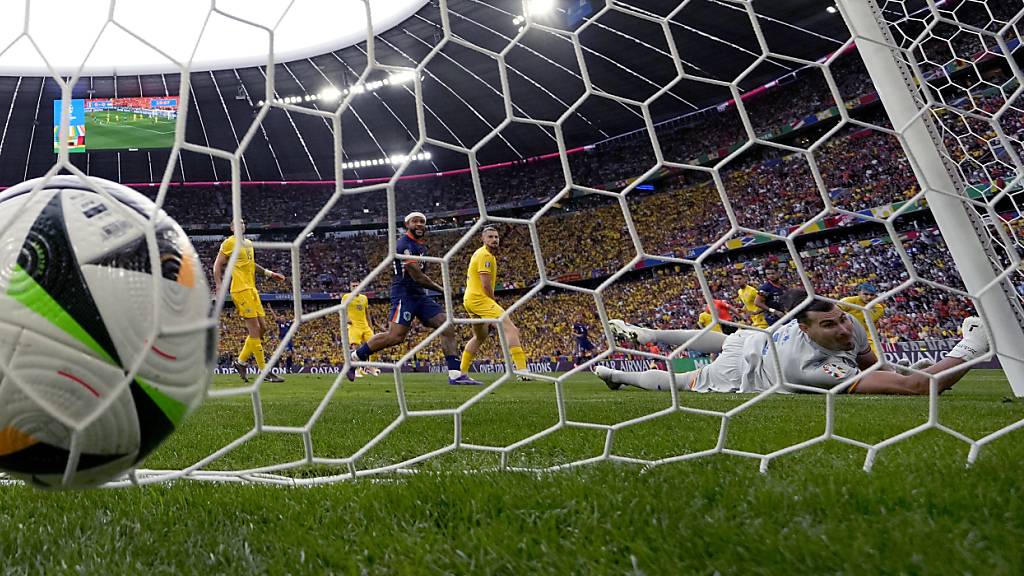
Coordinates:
<point>467,361</point>
<point>518,357</point>
<point>243,356</point>
<point>257,350</point>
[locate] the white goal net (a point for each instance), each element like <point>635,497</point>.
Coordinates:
<point>794,169</point>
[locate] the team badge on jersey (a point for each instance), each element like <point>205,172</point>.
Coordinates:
<point>836,369</point>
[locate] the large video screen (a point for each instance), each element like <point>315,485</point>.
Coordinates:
<point>118,123</point>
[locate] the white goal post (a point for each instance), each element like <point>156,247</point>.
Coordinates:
<point>968,240</point>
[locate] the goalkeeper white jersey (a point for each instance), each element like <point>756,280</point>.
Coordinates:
<point>746,363</point>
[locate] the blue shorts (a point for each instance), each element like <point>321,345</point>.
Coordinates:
<point>406,307</point>
<point>584,345</point>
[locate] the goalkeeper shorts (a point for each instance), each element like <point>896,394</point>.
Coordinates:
<point>248,303</point>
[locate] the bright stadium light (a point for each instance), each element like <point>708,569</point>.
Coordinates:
<point>330,94</point>
<point>540,7</point>
<point>392,160</point>
<point>402,77</point>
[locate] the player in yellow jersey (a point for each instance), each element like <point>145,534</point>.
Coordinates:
<point>865,293</point>
<point>360,330</point>
<point>748,296</point>
<point>246,298</point>
<point>705,319</point>
<point>481,278</point>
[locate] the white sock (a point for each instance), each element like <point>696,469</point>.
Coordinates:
<point>453,374</point>
<point>655,380</point>
<point>707,343</point>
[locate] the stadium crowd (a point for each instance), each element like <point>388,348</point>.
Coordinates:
<point>669,296</point>
<point>862,171</point>
<point>587,236</point>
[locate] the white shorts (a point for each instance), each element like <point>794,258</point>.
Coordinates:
<point>725,374</point>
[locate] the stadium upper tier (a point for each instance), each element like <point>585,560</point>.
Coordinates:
<point>794,114</point>
<point>462,94</point>
<point>587,237</point>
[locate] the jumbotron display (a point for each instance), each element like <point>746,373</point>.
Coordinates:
<point>117,123</point>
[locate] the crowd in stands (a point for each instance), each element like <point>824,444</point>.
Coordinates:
<point>682,140</point>
<point>862,170</point>
<point>669,296</point>
<point>797,96</point>
<point>767,188</point>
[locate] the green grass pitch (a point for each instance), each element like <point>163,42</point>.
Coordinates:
<point>920,510</point>
<point>119,131</point>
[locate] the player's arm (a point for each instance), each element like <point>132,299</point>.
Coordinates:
<point>910,384</point>
<point>762,304</point>
<point>412,268</point>
<point>219,265</point>
<point>269,273</point>
<point>866,359</point>
<point>485,284</point>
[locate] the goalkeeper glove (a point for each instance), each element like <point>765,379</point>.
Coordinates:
<point>974,342</point>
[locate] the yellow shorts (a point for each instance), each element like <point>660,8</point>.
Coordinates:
<point>483,307</point>
<point>248,303</point>
<point>359,334</point>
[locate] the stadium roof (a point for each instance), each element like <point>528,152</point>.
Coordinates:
<point>624,54</point>
<point>236,34</point>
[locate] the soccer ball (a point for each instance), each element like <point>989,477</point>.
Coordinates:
<point>80,307</point>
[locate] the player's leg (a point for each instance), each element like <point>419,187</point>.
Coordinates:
<point>263,325</point>
<point>398,329</point>
<point>355,340</point>
<point>480,334</point>
<point>246,309</point>
<point>365,336</point>
<point>433,316</point>
<point>655,380</point>
<point>515,347</point>
<point>252,327</point>
<point>705,343</point>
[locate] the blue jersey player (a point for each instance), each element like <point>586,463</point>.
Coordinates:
<point>769,297</point>
<point>410,301</point>
<point>282,330</point>
<point>584,347</point>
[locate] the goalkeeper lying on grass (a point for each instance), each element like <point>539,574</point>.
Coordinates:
<point>821,347</point>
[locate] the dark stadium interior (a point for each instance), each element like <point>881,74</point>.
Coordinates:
<point>217,118</point>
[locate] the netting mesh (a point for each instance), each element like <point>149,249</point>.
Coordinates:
<point>721,203</point>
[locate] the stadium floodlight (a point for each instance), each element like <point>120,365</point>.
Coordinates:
<point>330,94</point>
<point>540,7</point>
<point>402,77</point>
